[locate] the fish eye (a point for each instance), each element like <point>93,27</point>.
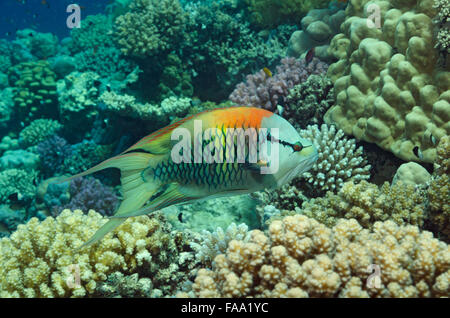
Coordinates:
<point>297,146</point>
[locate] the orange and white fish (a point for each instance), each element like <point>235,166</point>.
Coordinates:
<point>203,156</point>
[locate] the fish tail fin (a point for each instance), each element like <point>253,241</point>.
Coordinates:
<point>135,189</point>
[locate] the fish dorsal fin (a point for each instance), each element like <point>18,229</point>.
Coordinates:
<point>159,142</point>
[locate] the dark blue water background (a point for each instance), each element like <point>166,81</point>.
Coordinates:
<point>42,15</point>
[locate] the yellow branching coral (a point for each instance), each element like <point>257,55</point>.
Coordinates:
<point>39,259</point>
<point>439,190</point>
<point>302,257</point>
<point>367,203</point>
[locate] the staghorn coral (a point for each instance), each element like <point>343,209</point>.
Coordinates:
<point>262,90</point>
<point>390,88</point>
<point>339,159</point>
<point>307,102</point>
<point>38,260</point>
<point>150,27</point>
<point>368,203</point>
<point>302,258</point>
<point>35,91</point>
<point>439,190</point>
<point>38,130</point>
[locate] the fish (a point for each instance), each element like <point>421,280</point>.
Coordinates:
<point>310,55</point>
<point>267,72</point>
<point>174,165</point>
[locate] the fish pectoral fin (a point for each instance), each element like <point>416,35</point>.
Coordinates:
<point>169,196</point>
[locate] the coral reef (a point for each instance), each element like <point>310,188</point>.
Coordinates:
<point>389,87</point>
<point>89,194</point>
<point>38,130</point>
<point>95,31</point>
<point>339,159</point>
<point>318,27</point>
<point>267,13</point>
<point>443,23</point>
<point>263,90</point>
<point>368,203</point>
<point>35,90</point>
<point>411,173</point>
<point>19,159</point>
<point>17,185</point>
<point>303,258</point>
<point>215,243</point>
<point>41,45</point>
<point>38,260</point>
<point>439,190</point>
<point>307,102</point>
<point>53,152</point>
<point>77,96</point>
<point>151,27</point>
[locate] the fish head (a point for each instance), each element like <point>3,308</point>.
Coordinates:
<point>289,155</point>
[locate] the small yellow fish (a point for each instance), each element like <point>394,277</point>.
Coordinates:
<point>267,71</point>
<point>204,156</point>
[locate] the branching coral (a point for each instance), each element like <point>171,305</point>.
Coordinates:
<point>368,203</point>
<point>443,22</point>
<point>439,190</point>
<point>262,90</point>
<point>52,152</point>
<point>95,32</point>
<point>213,244</point>
<point>17,185</point>
<point>35,90</point>
<point>302,258</point>
<point>89,194</point>
<point>339,159</point>
<point>307,102</point>
<point>151,27</point>
<point>38,260</point>
<point>38,130</point>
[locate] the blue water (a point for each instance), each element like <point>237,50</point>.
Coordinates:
<point>42,15</point>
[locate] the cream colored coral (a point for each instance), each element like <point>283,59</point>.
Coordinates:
<point>390,88</point>
<point>411,173</point>
<point>302,258</point>
<point>40,260</point>
<point>368,203</point>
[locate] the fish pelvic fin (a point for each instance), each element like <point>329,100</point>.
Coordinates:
<point>167,195</point>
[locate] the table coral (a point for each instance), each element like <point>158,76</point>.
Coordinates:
<point>35,90</point>
<point>302,258</point>
<point>389,86</point>
<point>38,260</point>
